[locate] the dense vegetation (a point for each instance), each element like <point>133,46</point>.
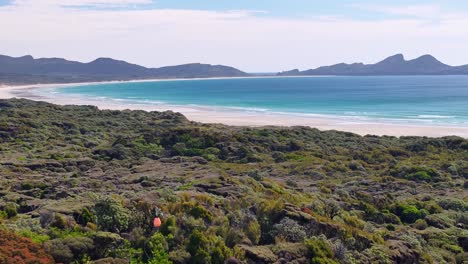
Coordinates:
<point>80,185</point>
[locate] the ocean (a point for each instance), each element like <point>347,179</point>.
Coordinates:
<point>395,99</point>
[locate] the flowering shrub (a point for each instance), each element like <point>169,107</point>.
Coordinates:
<point>21,250</point>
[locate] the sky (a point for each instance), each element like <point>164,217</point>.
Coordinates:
<point>254,36</point>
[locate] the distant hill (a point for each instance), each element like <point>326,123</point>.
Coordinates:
<point>26,69</point>
<point>394,65</point>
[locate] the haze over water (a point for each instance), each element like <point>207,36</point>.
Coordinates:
<point>394,99</point>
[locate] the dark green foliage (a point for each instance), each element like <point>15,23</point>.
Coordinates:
<point>111,215</point>
<point>85,216</point>
<point>417,173</point>
<point>253,231</point>
<point>206,249</point>
<point>199,211</point>
<point>409,213</point>
<point>158,248</point>
<point>454,204</point>
<point>11,210</point>
<point>256,175</point>
<point>107,244</point>
<point>59,222</point>
<point>169,227</point>
<point>261,191</point>
<point>197,247</point>
<point>319,251</point>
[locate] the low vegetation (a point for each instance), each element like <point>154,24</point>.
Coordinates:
<point>80,185</point>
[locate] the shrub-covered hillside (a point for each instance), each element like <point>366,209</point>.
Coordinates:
<point>80,185</point>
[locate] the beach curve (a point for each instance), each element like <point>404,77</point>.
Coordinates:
<point>238,118</point>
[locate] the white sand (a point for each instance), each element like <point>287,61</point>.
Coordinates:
<point>244,118</point>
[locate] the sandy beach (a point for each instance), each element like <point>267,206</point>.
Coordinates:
<point>241,118</point>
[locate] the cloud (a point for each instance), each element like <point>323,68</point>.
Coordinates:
<point>80,2</point>
<point>432,12</point>
<point>158,37</point>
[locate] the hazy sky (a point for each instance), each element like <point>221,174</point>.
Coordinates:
<point>253,35</point>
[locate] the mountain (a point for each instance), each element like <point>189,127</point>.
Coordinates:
<point>27,69</point>
<point>394,65</point>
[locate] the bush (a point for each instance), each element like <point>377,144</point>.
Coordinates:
<point>111,215</point>
<point>169,226</point>
<point>256,175</point>
<point>454,204</point>
<point>59,222</point>
<point>107,244</point>
<point>197,247</point>
<point>320,252</point>
<point>3,215</point>
<point>11,210</point>
<point>417,173</point>
<point>253,231</point>
<point>158,250</point>
<point>409,213</point>
<point>207,249</point>
<point>420,224</point>
<point>289,230</point>
<point>16,249</point>
<point>66,250</point>
<point>278,157</point>
<point>331,208</point>
<point>199,211</point>
<point>84,217</point>
<point>46,218</point>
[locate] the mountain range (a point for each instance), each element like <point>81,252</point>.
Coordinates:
<point>26,69</point>
<point>394,65</point>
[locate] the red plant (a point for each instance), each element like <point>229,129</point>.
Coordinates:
<point>21,250</point>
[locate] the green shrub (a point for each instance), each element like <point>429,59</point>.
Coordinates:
<point>199,211</point>
<point>320,252</point>
<point>409,213</point>
<point>158,250</point>
<point>11,210</point>
<point>59,222</point>
<point>420,224</point>
<point>111,215</point>
<point>454,204</point>
<point>256,175</point>
<point>36,238</point>
<point>289,230</point>
<point>3,215</point>
<point>84,217</point>
<point>253,231</point>
<point>197,247</point>
<point>66,250</point>
<point>169,226</point>
<point>416,173</point>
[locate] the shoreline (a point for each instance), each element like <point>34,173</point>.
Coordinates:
<point>234,117</point>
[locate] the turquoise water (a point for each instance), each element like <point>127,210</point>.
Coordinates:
<point>406,99</point>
